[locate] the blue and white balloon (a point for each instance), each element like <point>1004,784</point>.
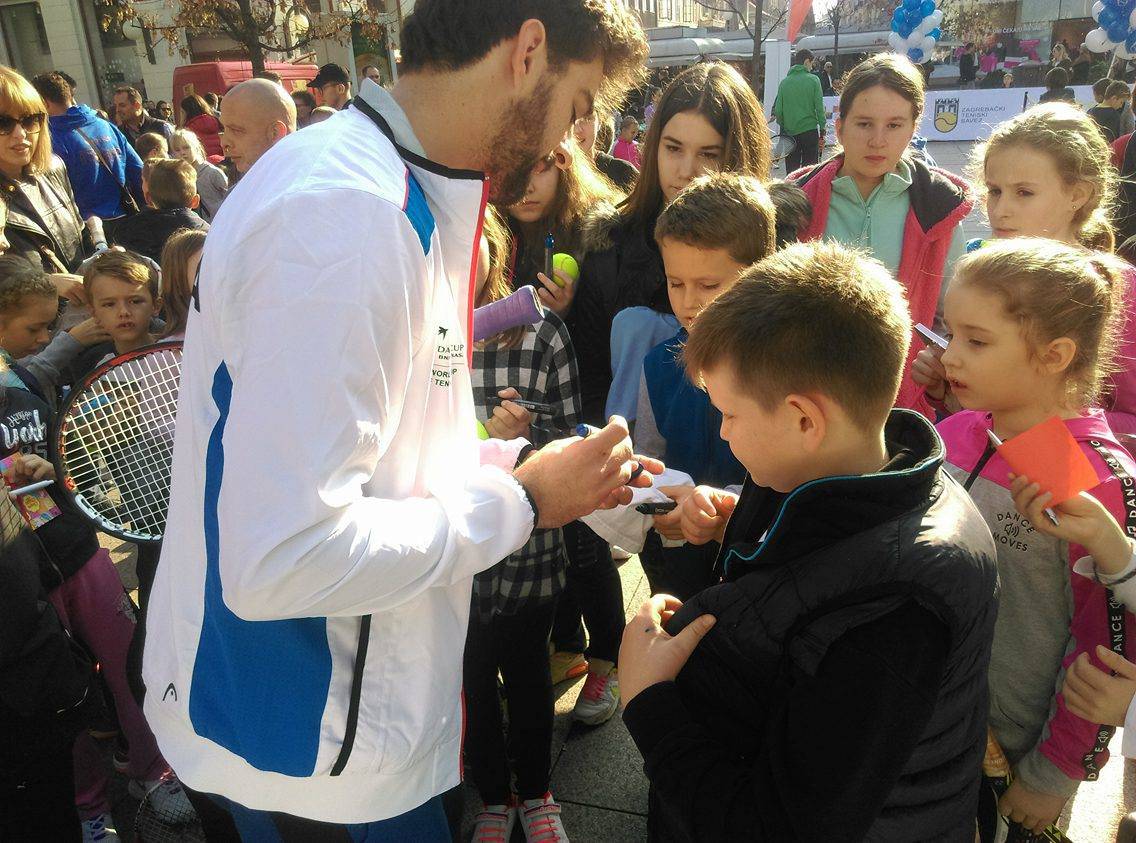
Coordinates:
<point>1116,30</point>
<point>915,28</point>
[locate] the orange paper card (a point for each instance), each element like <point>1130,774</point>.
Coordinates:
<point>1049,455</point>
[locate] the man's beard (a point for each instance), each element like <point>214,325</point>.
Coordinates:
<point>516,148</point>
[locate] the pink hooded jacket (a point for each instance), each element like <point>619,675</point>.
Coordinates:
<point>1047,616</point>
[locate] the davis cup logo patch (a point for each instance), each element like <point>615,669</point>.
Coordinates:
<point>946,114</point>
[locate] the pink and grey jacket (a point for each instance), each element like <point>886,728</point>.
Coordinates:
<point>939,202</point>
<point>1047,616</point>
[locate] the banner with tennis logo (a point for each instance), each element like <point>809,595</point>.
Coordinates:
<point>966,115</point>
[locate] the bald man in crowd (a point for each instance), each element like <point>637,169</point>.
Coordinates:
<point>256,114</point>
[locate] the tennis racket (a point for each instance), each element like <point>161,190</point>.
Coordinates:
<point>113,442</point>
<point>519,308</point>
<point>998,777</point>
<point>783,146</point>
<point>160,823</point>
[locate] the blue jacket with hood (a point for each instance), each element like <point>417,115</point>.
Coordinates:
<point>96,191</point>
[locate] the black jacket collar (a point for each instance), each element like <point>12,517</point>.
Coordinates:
<point>825,511</point>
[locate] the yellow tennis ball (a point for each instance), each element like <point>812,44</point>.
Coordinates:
<point>566,264</point>
<point>482,433</point>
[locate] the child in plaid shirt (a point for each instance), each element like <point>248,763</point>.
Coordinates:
<point>514,602</point>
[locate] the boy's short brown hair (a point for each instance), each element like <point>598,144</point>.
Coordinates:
<point>151,145</point>
<point>722,211</point>
<point>1116,88</point>
<point>125,266</point>
<point>173,184</point>
<point>811,317</point>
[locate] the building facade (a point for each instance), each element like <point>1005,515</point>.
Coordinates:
<point>69,35</point>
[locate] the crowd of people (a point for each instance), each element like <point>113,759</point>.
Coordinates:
<point>364,597</point>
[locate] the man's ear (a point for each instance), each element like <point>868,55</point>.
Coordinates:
<point>528,56</point>
<point>195,202</point>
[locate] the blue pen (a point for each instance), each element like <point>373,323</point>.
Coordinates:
<point>586,430</point>
<point>549,248</point>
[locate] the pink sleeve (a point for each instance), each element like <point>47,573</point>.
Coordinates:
<point>1120,399</point>
<point>1078,748</point>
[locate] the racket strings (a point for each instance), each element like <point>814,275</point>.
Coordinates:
<point>116,443</point>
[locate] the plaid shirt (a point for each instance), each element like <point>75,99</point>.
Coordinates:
<point>541,368</point>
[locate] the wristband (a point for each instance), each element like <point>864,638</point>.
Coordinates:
<point>532,503</point>
<point>524,454</point>
<point>1121,581</point>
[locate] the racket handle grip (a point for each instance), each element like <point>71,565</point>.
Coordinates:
<point>519,308</point>
<point>98,236</point>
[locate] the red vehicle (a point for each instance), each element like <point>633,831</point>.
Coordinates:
<point>220,76</point>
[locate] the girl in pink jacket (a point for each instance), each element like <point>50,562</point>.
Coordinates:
<point>1033,326</point>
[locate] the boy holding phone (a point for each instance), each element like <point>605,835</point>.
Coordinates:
<point>708,236</point>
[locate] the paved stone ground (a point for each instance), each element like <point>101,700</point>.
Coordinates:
<point>597,772</point>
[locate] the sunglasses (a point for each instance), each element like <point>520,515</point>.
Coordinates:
<point>31,124</point>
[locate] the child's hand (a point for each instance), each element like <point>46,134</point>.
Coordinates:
<point>648,655</point>
<point>69,287</point>
<point>705,513</point>
<point>1084,521</point>
<point>556,298</point>
<point>89,332</point>
<point>28,468</point>
<point>669,525</point>
<point>1030,809</point>
<point>1093,695</point>
<point>509,420</point>
<point>927,371</point>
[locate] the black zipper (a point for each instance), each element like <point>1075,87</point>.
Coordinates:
<point>356,694</point>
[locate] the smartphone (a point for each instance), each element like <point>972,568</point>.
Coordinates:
<point>534,407</point>
<point>930,338</point>
<point>656,507</point>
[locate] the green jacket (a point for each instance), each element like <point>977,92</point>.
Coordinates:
<point>799,107</point>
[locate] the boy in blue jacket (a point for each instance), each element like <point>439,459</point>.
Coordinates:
<point>708,236</point>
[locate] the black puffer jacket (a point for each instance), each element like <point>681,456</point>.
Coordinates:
<point>842,693</point>
<point>44,219</point>
<point>624,269</point>
<point>45,676</point>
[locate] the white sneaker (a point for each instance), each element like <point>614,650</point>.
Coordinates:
<point>100,829</point>
<point>166,798</point>
<point>599,698</point>
<point>494,824</point>
<point>540,819</point>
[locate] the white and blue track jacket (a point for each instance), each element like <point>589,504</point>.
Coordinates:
<point>329,509</point>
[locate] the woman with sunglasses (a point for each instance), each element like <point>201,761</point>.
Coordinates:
<point>42,215</point>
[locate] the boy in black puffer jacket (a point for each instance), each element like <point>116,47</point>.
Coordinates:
<point>833,685</point>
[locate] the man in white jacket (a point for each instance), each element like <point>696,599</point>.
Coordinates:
<point>330,505</point>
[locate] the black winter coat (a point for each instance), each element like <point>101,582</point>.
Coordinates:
<point>842,694</point>
<point>45,676</point>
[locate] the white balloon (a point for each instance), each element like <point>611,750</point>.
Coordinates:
<point>1132,20</point>
<point>1096,40</point>
<point>935,16</point>
<point>928,46</point>
<point>915,40</point>
<point>925,25</point>
<point>897,42</point>
<point>1097,6</point>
